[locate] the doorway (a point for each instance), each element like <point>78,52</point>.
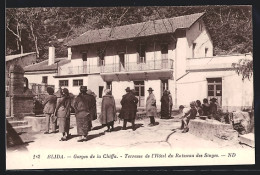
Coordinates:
<point>139,92</point>
<point>121,61</point>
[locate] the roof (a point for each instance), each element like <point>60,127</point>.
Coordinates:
<point>149,28</point>
<point>11,57</point>
<point>43,66</point>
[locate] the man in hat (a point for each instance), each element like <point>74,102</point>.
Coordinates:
<point>128,109</point>
<point>213,108</point>
<point>189,115</point>
<point>151,110</point>
<point>82,113</point>
<point>49,104</point>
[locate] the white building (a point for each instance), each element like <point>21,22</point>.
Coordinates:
<point>42,74</point>
<point>174,53</point>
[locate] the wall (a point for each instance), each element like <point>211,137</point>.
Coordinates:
<point>23,61</point>
<point>202,39</point>
<point>236,94</point>
<point>153,50</point>
<point>37,78</point>
<point>72,89</point>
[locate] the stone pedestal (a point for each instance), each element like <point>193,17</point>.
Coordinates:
<point>21,98</point>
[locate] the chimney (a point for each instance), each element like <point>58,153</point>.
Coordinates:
<point>51,55</point>
<point>69,53</point>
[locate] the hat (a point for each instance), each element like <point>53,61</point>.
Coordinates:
<point>181,107</point>
<point>83,88</point>
<point>150,89</point>
<point>193,103</point>
<point>50,90</point>
<point>213,99</point>
<point>127,89</point>
<point>65,91</point>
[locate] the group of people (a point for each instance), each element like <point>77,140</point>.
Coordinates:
<point>57,109</point>
<point>197,109</point>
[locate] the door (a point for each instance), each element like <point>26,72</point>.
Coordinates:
<point>139,92</point>
<point>121,61</point>
<point>215,89</point>
<point>85,63</point>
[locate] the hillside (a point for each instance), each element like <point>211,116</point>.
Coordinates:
<point>33,29</point>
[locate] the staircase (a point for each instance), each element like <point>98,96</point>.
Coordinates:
<point>17,131</point>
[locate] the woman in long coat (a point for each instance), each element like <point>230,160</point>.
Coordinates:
<point>151,110</point>
<point>82,114</point>
<point>108,110</point>
<point>62,112</point>
<point>165,105</point>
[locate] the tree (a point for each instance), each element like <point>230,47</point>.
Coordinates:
<point>244,68</point>
<point>15,25</point>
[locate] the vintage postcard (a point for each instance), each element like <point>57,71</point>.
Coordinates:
<point>99,87</point>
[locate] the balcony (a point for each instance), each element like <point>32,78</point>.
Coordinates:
<point>152,69</point>
<point>78,70</point>
<point>133,67</point>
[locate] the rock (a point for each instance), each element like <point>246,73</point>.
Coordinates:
<point>241,121</point>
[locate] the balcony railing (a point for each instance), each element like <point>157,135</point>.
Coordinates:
<point>78,70</point>
<point>133,66</point>
<point>109,68</point>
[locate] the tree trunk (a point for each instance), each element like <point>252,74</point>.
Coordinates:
<point>35,42</point>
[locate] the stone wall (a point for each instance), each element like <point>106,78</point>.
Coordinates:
<point>213,130</point>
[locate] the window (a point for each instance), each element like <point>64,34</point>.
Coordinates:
<point>200,26</point>
<point>84,56</point>
<point>45,79</point>
<point>139,92</point>
<point>109,85</point>
<point>78,82</point>
<point>206,51</point>
<point>164,51</point>
<point>193,50</point>
<point>141,54</point>
<point>100,91</point>
<point>101,57</point>
<point>64,83</point>
<point>215,88</point>
<point>164,86</point>
<point>122,59</point>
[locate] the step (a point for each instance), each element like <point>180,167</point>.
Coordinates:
<point>9,118</point>
<point>247,139</point>
<point>18,123</point>
<point>22,129</point>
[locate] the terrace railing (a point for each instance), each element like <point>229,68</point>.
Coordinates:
<point>75,70</point>
<point>133,66</point>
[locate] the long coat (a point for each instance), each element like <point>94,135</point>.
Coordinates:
<point>165,106</point>
<point>49,104</point>
<point>128,110</point>
<point>108,109</point>
<point>151,109</point>
<point>63,113</point>
<point>82,113</point>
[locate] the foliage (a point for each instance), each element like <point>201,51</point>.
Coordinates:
<point>244,68</point>
<point>229,26</point>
